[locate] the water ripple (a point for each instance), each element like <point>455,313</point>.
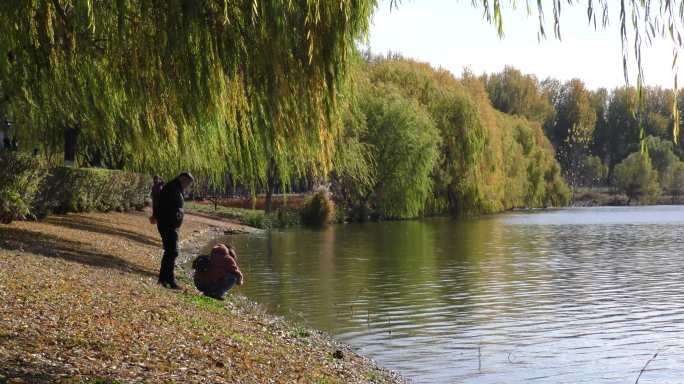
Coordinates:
<point>568,296</point>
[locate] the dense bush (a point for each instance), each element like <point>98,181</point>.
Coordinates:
<point>91,189</point>
<point>636,177</point>
<point>20,177</point>
<point>661,153</point>
<point>405,145</point>
<point>28,190</point>
<point>318,210</point>
<point>673,180</point>
<point>593,171</point>
<point>285,217</point>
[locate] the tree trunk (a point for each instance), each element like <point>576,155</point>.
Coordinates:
<point>270,186</point>
<point>70,145</point>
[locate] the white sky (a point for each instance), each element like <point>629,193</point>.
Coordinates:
<point>452,34</point>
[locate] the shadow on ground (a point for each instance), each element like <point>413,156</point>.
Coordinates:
<point>82,223</point>
<point>40,368</point>
<point>29,372</point>
<point>52,246</point>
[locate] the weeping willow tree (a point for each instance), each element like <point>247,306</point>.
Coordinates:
<point>436,145</point>
<point>246,87</point>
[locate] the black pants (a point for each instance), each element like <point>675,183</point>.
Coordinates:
<point>169,236</point>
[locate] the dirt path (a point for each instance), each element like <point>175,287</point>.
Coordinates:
<point>79,303</point>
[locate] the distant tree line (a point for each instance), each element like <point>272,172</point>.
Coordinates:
<point>418,141</point>
<point>598,134</point>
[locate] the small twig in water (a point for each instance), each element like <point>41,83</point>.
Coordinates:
<point>512,358</point>
<point>646,365</point>
<point>479,358</point>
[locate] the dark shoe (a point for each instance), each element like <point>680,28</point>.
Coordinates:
<point>172,285</point>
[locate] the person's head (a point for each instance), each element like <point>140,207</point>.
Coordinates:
<point>157,179</point>
<point>225,249</point>
<point>186,180</point>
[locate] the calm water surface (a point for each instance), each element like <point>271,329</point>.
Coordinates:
<point>567,296</point>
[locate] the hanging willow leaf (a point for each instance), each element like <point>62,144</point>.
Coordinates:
<point>160,85</point>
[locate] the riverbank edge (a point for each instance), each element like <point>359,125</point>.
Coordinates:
<point>191,247</point>
<point>605,197</point>
<point>344,364</point>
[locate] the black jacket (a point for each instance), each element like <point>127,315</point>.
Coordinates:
<point>168,209</point>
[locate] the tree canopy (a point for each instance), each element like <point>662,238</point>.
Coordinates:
<point>436,145</point>
<point>162,85</point>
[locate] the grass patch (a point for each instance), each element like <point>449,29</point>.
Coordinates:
<point>253,218</point>
<point>300,333</point>
<point>284,217</point>
<point>198,323</point>
<point>241,338</point>
<point>326,380</point>
<point>204,302</point>
<point>372,376</point>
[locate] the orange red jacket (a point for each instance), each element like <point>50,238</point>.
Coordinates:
<point>222,261</point>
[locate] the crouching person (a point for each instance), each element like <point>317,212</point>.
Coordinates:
<point>217,272</point>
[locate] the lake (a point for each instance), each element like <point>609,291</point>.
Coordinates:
<point>585,295</point>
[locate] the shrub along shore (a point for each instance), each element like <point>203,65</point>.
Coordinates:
<point>79,303</point>
<point>29,190</point>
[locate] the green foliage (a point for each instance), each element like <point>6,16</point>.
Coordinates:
<point>514,93</point>
<point>636,177</point>
<point>456,181</point>
<point>661,154</point>
<point>68,189</point>
<point>203,302</point>
<point>353,175</point>
<point>20,177</point>
<point>283,217</point>
<point>557,191</point>
<point>622,126</point>
<point>163,85</point>
<point>482,160</point>
<point>594,172</point>
<point>404,144</point>
<point>575,118</point>
<point>593,131</point>
<point>28,190</point>
<point>251,217</point>
<point>673,179</point>
<point>318,210</point>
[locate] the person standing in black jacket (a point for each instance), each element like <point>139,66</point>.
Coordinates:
<point>168,211</point>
